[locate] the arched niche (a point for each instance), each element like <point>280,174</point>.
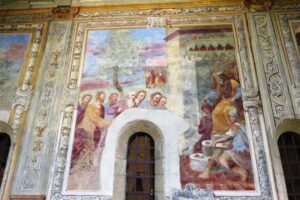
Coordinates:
<point>289,125</point>
<point>6,129</point>
<point>165,128</point>
<point>121,156</point>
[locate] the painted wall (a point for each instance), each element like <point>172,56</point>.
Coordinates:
<point>195,78</point>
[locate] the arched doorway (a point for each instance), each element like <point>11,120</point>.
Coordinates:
<point>4,150</point>
<point>165,128</point>
<point>140,167</point>
<point>289,148</point>
<point>6,143</point>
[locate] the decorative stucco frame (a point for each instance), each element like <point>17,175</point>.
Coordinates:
<point>24,91</point>
<point>173,18</point>
<point>283,76</point>
<point>290,53</point>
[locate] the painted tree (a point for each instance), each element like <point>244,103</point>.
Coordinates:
<point>122,50</point>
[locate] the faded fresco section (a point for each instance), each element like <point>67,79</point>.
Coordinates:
<point>13,49</point>
<point>191,72</point>
<point>296,34</point>
<point>217,155</point>
<point>122,69</point>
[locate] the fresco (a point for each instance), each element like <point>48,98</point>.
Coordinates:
<point>130,68</point>
<point>220,157</point>
<point>296,34</point>
<point>122,69</point>
<point>13,48</point>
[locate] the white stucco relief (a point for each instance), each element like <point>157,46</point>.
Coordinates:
<point>171,127</point>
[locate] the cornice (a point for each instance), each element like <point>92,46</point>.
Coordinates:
<point>68,12</point>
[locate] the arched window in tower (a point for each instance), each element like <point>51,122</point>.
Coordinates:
<point>289,147</point>
<point>4,150</point>
<point>140,168</point>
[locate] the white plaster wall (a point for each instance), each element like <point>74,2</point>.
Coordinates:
<point>170,125</point>
<point>4,115</point>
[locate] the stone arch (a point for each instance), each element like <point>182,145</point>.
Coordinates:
<point>165,128</point>
<point>121,155</point>
<point>5,128</point>
<point>289,125</point>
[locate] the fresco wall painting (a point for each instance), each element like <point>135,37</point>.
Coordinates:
<point>122,69</point>
<point>128,69</point>
<point>220,159</point>
<point>295,26</point>
<point>13,51</point>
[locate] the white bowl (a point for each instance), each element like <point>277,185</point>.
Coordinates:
<point>198,161</point>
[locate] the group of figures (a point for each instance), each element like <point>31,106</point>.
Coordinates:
<point>223,123</point>
<point>155,79</point>
<point>93,119</point>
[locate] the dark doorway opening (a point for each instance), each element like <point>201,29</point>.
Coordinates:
<point>140,167</point>
<point>289,148</point>
<point>4,150</point>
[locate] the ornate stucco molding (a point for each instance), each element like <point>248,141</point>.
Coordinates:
<point>286,6</point>
<point>65,12</point>
<point>92,14</point>
<point>21,104</point>
<point>273,80</point>
<point>191,191</point>
<point>24,92</point>
<point>23,97</point>
<point>296,92</point>
<point>37,30</point>
<point>257,5</point>
<point>293,68</point>
<point>154,22</point>
<point>251,97</point>
<point>31,176</point>
<point>260,153</point>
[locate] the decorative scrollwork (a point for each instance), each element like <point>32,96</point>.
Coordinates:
<point>158,22</point>
<point>274,77</point>
<point>251,99</point>
<point>191,191</point>
<point>292,56</point>
<point>38,140</point>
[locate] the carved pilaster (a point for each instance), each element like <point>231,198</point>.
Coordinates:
<point>290,47</point>
<point>273,79</point>
<point>32,173</point>
<point>60,162</point>
<point>260,154</point>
